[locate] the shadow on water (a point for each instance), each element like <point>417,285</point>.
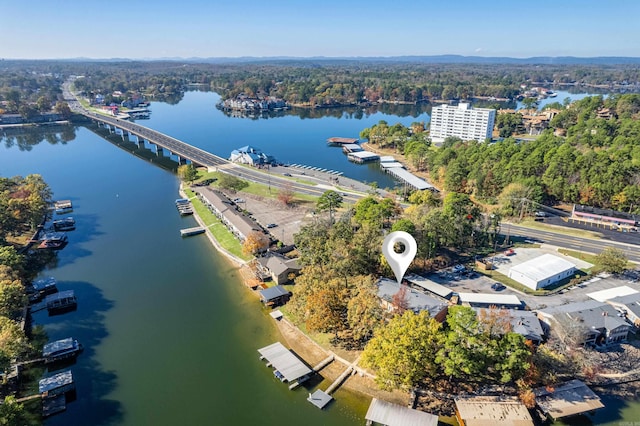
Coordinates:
<point>86,231</point>
<point>164,161</point>
<point>93,383</point>
<point>25,138</point>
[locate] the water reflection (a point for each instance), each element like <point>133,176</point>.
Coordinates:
<point>25,138</point>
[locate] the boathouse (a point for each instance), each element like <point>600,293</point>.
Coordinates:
<point>388,414</point>
<point>568,399</point>
<point>60,302</point>
<point>274,296</point>
<point>341,141</point>
<point>57,384</point>
<point>362,157</point>
<point>285,362</point>
<point>492,410</point>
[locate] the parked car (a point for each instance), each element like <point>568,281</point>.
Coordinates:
<point>541,214</point>
<point>458,268</point>
<point>286,174</point>
<point>272,225</point>
<point>509,252</point>
<point>498,287</point>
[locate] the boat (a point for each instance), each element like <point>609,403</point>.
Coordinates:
<point>63,206</point>
<point>41,288</point>
<point>53,240</point>
<point>61,349</point>
<point>61,302</point>
<point>66,224</point>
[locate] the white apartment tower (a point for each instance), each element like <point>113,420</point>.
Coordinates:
<point>461,121</point>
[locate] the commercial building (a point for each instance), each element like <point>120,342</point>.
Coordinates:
<point>461,121</point>
<point>542,271</point>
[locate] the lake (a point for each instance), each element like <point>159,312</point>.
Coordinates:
<point>170,333</point>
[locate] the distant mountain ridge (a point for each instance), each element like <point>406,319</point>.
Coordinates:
<point>433,59</point>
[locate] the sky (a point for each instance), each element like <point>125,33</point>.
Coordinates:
<point>144,29</point>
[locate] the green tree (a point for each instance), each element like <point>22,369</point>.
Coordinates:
<point>188,173</point>
<point>404,225</point>
<point>12,298</point>
<point>612,259</point>
<point>63,109</point>
<point>13,342</point>
<point>364,312</point>
<point>508,124</point>
<point>12,413</point>
<point>231,183</point>
<point>329,201</point>
<point>11,258</point>
<point>402,353</point>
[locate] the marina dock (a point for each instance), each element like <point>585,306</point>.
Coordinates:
<point>187,232</point>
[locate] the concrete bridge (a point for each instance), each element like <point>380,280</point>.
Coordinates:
<point>182,150</point>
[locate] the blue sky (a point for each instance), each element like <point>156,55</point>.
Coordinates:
<point>41,29</point>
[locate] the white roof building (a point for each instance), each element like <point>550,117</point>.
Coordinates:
<point>461,121</point>
<point>612,293</point>
<point>485,300</point>
<point>542,271</point>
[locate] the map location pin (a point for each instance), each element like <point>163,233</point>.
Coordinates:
<point>399,262</point>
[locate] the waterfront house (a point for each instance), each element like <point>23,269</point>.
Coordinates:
<point>588,323</point>
<point>279,268</point>
<point>250,155</point>
<point>392,299</point>
<point>525,323</point>
<point>568,399</point>
<point>492,410</point>
<point>240,225</point>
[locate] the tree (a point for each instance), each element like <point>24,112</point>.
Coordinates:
<point>405,225</point>
<point>231,183</point>
<point>612,259</point>
<point>255,243</point>
<point>63,109</point>
<point>285,194</point>
<point>329,200</point>
<point>12,413</point>
<point>188,173</point>
<point>13,342</point>
<point>12,298</point>
<point>11,258</point>
<point>400,300</point>
<point>402,353</point>
<point>364,312</point>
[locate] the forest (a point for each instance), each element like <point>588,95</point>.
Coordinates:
<point>595,162</point>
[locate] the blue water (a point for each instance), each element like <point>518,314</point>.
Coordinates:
<point>289,138</point>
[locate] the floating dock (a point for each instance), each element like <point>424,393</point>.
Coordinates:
<point>341,141</point>
<point>319,398</point>
<point>187,232</point>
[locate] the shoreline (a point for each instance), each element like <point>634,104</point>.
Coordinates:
<point>302,344</point>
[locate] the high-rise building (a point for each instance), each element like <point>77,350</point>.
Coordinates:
<point>461,121</point>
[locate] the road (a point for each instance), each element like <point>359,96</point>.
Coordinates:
<point>589,245</point>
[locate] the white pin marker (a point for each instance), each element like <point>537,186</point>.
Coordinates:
<point>399,262</point>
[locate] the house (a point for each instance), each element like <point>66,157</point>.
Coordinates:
<point>525,323</point>
<point>240,225</point>
<point>389,292</point>
<point>250,155</point>
<point>279,268</point>
<point>274,296</point>
<point>492,410</point>
<point>568,399</point>
<point>629,305</point>
<point>590,323</point>
<point>542,271</point>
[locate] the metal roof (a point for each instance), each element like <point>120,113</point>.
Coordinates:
<point>273,293</point>
<point>493,410</point>
<point>57,381</point>
<point>490,299</point>
<point>429,285</point>
<point>364,155</point>
<point>416,300</point>
<point>284,361</point>
<point>58,345</point>
<point>389,414</point>
<point>391,164</point>
<point>543,267</point>
<point>387,159</point>
<point>410,179</point>
<point>525,323</point>
<point>611,293</point>
<point>570,398</point>
<point>60,295</point>
<point>43,283</point>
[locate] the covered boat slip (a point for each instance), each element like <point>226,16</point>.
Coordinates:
<point>284,361</point>
<point>388,414</point>
<point>59,349</point>
<point>57,384</point>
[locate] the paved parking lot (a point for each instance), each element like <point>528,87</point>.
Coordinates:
<point>478,283</point>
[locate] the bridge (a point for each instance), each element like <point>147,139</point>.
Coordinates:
<point>176,147</point>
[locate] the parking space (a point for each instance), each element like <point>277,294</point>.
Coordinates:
<point>281,222</point>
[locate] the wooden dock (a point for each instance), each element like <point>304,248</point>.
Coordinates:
<point>187,232</point>
<point>323,363</point>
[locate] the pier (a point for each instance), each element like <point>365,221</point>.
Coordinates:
<point>187,232</point>
<point>321,398</point>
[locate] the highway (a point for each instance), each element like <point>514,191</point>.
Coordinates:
<point>589,245</point>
